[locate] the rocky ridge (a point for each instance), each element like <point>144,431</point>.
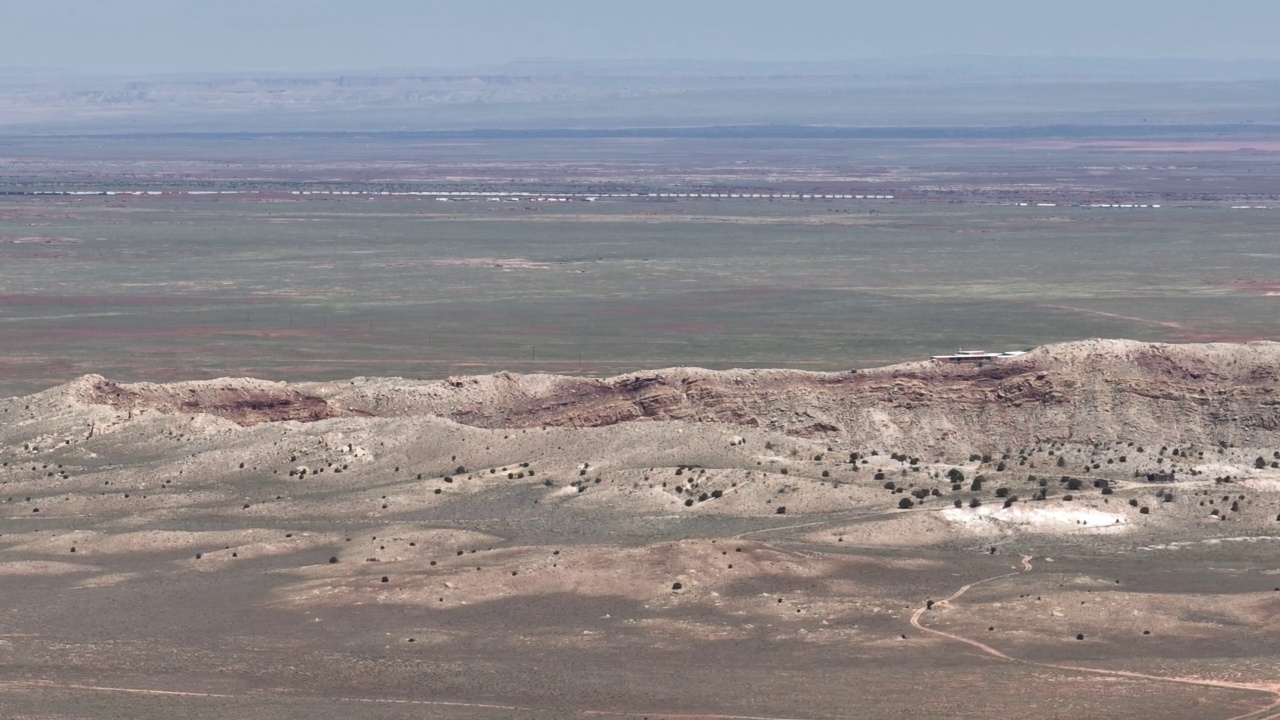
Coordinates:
<point>1095,391</point>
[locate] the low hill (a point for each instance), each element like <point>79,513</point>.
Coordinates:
<point>1090,392</point>
<point>672,543</point>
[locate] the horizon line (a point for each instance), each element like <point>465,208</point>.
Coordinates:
<point>33,70</point>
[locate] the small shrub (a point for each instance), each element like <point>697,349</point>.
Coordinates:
<point>905,503</point>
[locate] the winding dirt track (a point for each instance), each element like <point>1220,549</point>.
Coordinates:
<point>1271,710</point>
<point>915,617</point>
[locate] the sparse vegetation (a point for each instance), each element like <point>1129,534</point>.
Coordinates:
<point>608,529</point>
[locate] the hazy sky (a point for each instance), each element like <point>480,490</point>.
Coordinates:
<point>137,36</point>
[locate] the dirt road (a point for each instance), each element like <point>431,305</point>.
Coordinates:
<point>1271,710</point>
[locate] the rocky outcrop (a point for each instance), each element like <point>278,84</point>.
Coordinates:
<point>1092,391</point>
<point>1099,391</point>
<point>244,402</point>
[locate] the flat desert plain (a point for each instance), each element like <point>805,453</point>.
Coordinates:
<point>640,423</point>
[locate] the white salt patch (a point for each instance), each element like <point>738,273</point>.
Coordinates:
<point>1035,518</point>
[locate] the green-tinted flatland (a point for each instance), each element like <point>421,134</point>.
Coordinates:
<point>287,287</point>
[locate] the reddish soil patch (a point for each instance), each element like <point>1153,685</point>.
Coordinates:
<point>1169,367</point>
<point>1192,336</point>
<point>44,300</point>
<point>242,402</point>
<point>81,332</point>
<point>685,327</point>
<point>697,302</point>
<point>1261,287</point>
<point>277,333</point>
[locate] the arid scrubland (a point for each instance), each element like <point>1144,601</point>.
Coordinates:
<point>744,543</point>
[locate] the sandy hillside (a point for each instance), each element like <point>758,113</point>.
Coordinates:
<point>323,536</point>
